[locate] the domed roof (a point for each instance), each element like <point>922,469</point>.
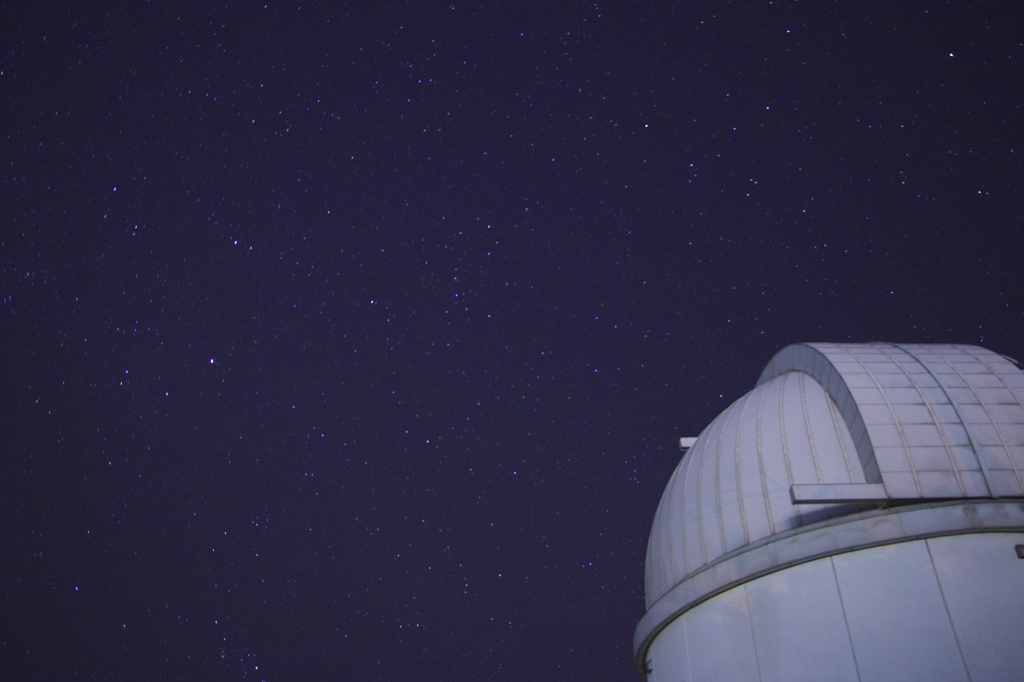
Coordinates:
<point>832,426</point>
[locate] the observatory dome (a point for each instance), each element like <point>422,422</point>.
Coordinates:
<point>839,447</point>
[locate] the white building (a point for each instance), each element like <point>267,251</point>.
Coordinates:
<point>859,515</point>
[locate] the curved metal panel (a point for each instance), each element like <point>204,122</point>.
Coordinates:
<point>937,421</point>
<point>733,486</point>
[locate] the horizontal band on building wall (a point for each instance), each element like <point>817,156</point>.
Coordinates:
<point>826,538</point>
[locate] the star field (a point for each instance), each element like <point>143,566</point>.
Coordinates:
<point>354,340</point>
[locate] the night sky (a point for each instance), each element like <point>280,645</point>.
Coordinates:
<point>354,340</point>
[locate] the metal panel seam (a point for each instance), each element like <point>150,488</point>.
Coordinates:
<point>999,431</point>
<point>967,423</point>
<point>945,606</point>
<point>899,430</point>
<point>930,406</point>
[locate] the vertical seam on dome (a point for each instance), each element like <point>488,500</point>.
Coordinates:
<point>700,497</point>
<point>665,515</point>
<point>760,464</point>
<point>718,482</point>
<point>840,430</point>
<point>739,484</point>
<point>684,476</point>
<point>785,444</point>
<point>673,518</point>
<point>698,504</point>
<point>807,426</point>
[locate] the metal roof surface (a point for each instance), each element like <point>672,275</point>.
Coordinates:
<point>920,422</point>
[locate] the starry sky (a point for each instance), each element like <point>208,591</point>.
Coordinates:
<point>353,340</point>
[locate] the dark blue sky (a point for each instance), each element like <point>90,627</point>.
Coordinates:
<point>354,340</point>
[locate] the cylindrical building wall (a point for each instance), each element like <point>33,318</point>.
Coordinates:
<point>944,608</point>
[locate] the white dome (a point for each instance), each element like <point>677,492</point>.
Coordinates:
<point>732,488</point>
<point>840,452</point>
<point>920,422</point>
